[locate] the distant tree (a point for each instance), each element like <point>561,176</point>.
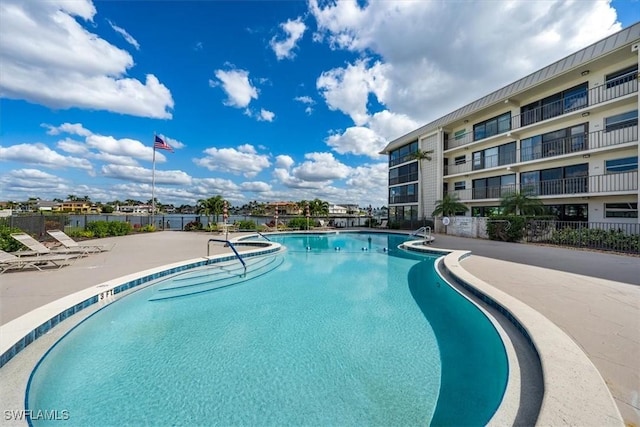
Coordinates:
<point>319,207</point>
<point>107,209</point>
<point>211,207</point>
<point>72,197</point>
<point>521,203</point>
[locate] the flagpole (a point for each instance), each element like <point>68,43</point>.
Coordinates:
<point>153,182</point>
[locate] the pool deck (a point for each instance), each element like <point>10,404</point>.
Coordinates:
<point>593,297</point>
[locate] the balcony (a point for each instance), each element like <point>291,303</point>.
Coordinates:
<point>613,89</point>
<point>622,183</point>
<point>553,148</point>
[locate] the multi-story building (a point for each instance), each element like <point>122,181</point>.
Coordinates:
<point>567,133</point>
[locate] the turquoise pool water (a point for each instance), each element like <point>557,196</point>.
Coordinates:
<point>345,330</point>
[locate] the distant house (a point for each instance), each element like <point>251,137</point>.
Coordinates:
<point>134,209</point>
<point>76,207</point>
<point>337,210</point>
<point>284,208</point>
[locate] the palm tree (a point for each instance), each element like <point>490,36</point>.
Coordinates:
<point>211,206</point>
<point>420,156</point>
<point>447,206</point>
<point>319,207</point>
<point>521,203</point>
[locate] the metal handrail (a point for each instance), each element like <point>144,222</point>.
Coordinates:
<point>232,248</point>
<point>427,233</point>
<point>263,236</point>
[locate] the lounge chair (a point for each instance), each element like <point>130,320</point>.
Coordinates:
<point>383,224</point>
<point>71,244</point>
<point>11,262</point>
<point>37,248</point>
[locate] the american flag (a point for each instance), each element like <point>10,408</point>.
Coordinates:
<point>161,145</point>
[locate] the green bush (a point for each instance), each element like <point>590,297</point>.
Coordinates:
<point>597,238</point>
<point>506,228</point>
<point>247,225</point>
<point>113,228</point>
<point>148,228</point>
<point>299,223</point>
<point>8,243</point>
<point>193,226</point>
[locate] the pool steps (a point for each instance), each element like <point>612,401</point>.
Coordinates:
<point>216,277</point>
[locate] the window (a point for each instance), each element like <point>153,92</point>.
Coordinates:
<point>496,156</point>
<point>493,187</point>
<point>621,121</point>
<point>459,134</point>
<point>493,126</point>
<point>460,160</point>
<point>569,212</point>
<point>402,154</point>
<point>531,148</point>
<point>403,194</point>
<point>625,164</point>
<point>405,173</point>
<point>555,105</point>
<point>485,210</point>
<point>566,180</point>
<point>622,76</point>
<point>621,210</point>
<point>554,143</point>
<point>460,185</point>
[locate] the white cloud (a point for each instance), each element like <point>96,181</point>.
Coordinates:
<point>348,89</point>
<point>71,128</point>
<point>320,167</point>
<point>308,101</point>
<point>266,116</point>
<point>255,186</point>
<point>284,161</point>
<point>41,155</point>
<point>139,174</point>
<point>434,58</point>
<point>128,37</point>
<point>237,87</point>
<point>69,145</point>
<point>49,58</point>
<point>295,30</point>
<point>30,180</point>
<point>124,147</point>
<point>241,160</point>
<point>357,140</point>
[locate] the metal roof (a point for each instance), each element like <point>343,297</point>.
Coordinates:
<point>577,59</point>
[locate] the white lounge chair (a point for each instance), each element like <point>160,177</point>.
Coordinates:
<point>383,224</point>
<point>11,262</point>
<point>37,248</point>
<point>69,243</point>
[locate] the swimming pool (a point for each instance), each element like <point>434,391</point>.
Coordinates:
<point>346,330</point>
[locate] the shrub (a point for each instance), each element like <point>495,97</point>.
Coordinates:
<point>193,225</point>
<point>597,238</point>
<point>113,228</point>
<point>507,228</point>
<point>299,223</point>
<point>148,228</point>
<point>8,243</point>
<point>247,225</point>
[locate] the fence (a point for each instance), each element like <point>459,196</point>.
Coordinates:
<point>38,224</point>
<point>615,237</point>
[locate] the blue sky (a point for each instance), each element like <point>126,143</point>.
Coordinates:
<point>262,100</point>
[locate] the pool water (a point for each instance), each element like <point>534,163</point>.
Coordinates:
<point>347,330</point>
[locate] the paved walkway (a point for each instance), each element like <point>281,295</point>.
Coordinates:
<point>594,297</point>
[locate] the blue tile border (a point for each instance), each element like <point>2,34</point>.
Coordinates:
<point>45,327</point>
